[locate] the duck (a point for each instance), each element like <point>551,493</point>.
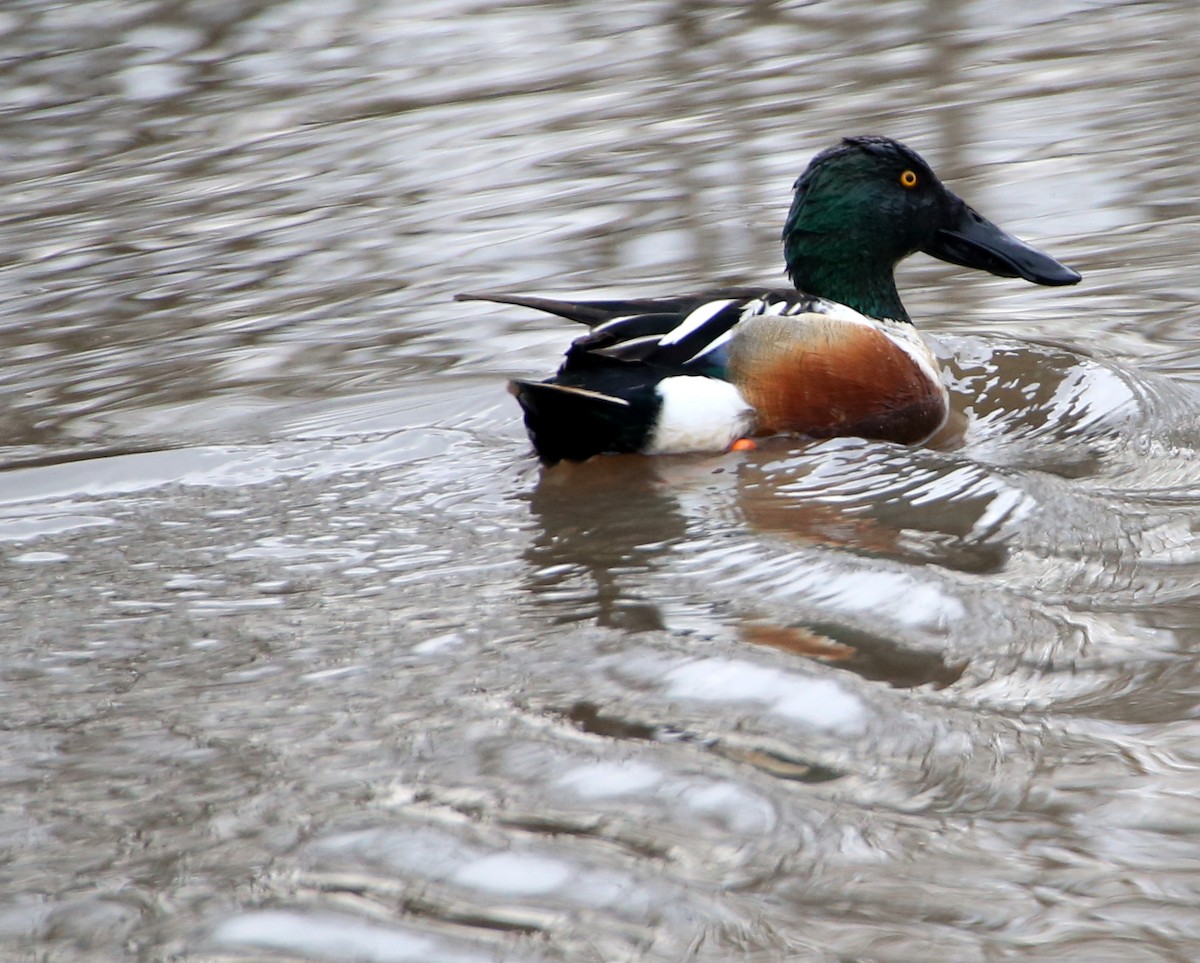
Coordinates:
<point>836,355</point>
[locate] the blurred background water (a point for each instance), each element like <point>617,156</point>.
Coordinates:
<point>303,657</point>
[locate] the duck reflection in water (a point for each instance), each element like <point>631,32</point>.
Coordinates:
<point>605,529</point>
<point>602,526</point>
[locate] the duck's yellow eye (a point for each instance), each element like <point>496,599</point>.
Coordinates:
<point>909,179</point>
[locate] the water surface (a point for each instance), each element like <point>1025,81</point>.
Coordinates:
<point>305,658</point>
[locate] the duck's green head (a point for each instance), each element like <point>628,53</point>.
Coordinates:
<point>868,203</point>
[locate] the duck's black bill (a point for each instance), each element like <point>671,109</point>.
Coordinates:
<point>975,242</point>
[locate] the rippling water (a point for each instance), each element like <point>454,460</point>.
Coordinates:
<point>303,657</point>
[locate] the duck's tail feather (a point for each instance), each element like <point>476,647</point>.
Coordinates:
<point>571,423</point>
<point>584,312</point>
<point>593,313</point>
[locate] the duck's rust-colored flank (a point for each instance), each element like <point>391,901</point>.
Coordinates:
<point>822,377</point>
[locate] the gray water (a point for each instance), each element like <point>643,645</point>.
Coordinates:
<point>303,657</point>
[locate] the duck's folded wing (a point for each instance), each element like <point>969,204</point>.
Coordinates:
<point>594,313</point>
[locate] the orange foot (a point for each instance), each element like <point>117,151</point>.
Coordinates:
<point>743,444</point>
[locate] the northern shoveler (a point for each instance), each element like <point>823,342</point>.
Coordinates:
<point>837,356</point>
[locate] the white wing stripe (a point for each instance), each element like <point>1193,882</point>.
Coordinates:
<point>612,323</point>
<point>645,339</point>
<point>712,345</point>
<point>696,320</point>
